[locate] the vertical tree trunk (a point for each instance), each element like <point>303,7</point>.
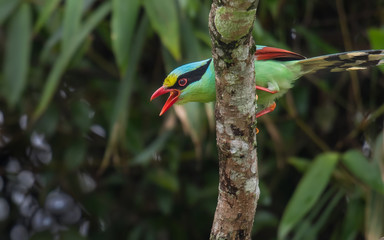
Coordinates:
<point>230,25</point>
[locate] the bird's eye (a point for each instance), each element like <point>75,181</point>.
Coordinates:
<point>183,82</point>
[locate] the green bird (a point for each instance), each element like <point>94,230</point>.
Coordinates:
<point>276,71</point>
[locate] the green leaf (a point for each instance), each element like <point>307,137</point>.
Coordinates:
<point>17,54</point>
<point>80,112</point>
<point>49,121</point>
<point>48,8</point>
<point>71,22</point>
<point>263,37</point>
<point>308,227</point>
<point>147,154</point>
<point>6,8</point>
<point>301,164</point>
<point>124,17</point>
<point>308,191</point>
<point>326,213</point>
<point>122,104</point>
<point>125,89</point>
<point>75,155</point>
<point>376,36</point>
<point>353,219</point>
<point>49,45</point>
<point>164,179</point>
<point>189,41</point>
<point>374,227</point>
<point>365,171</point>
<point>65,57</point>
<point>194,121</point>
<point>165,23</point>
<point>378,151</point>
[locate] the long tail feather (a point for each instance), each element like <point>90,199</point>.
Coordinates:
<point>339,62</point>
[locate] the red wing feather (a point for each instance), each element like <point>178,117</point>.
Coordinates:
<point>271,53</point>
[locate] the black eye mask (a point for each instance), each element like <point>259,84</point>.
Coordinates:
<point>190,77</point>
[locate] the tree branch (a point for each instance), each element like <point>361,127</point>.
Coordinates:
<point>230,25</point>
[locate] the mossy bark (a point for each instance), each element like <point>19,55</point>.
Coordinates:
<point>230,24</point>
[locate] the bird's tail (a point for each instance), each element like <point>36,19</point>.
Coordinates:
<point>339,62</point>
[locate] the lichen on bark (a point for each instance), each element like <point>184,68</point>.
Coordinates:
<point>232,23</point>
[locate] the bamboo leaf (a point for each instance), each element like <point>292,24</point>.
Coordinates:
<point>301,164</point>
<point>48,8</point>
<point>353,219</point>
<point>189,41</point>
<point>75,155</point>
<point>376,36</point>
<point>306,228</point>
<point>65,57</point>
<point>378,152</point>
<point>71,22</point>
<point>50,43</point>
<point>121,109</point>
<point>124,17</point>
<point>164,179</point>
<point>374,227</point>
<point>193,119</point>
<point>146,155</point>
<point>308,192</point>
<point>192,116</point>
<point>365,171</point>
<point>326,212</point>
<point>6,8</point>
<point>165,23</point>
<point>309,228</point>
<point>17,54</point>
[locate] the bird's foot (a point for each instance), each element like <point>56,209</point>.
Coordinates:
<point>268,109</point>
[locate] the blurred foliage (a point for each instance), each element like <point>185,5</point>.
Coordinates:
<point>75,120</point>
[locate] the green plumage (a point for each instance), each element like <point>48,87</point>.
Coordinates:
<point>276,72</point>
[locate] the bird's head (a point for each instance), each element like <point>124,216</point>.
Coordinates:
<point>185,84</point>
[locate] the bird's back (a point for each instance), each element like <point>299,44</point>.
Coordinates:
<point>279,74</point>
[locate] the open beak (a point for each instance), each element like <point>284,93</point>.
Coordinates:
<point>173,97</point>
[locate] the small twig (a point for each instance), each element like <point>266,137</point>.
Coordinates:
<point>303,126</point>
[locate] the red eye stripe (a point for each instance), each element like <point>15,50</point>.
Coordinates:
<point>183,82</point>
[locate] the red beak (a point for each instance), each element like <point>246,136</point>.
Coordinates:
<point>173,97</point>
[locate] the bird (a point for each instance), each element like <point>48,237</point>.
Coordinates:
<point>276,71</point>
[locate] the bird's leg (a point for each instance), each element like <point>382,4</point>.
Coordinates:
<point>265,89</point>
<point>269,109</point>
<point>266,110</point>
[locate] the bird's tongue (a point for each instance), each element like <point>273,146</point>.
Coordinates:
<point>173,97</point>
